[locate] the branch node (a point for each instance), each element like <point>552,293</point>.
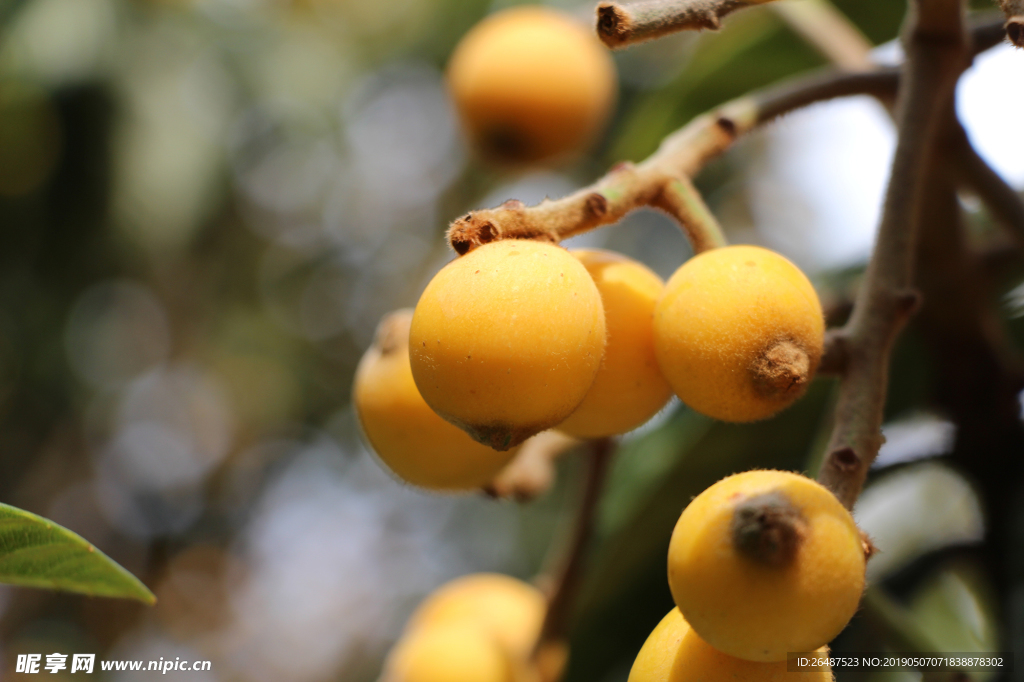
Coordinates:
<point>907,301</point>
<point>845,459</point>
<point>768,529</point>
<point>596,205</point>
<point>728,126</point>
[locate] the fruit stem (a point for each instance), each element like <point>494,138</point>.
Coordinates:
<point>532,471</point>
<point>567,582</point>
<point>681,200</point>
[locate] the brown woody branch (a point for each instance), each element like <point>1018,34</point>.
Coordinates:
<point>655,181</point>
<point>828,31</point>
<point>974,173</point>
<point>937,52</point>
<point>621,25</point>
<point>663,179</point>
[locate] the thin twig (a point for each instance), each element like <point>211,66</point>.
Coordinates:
<point>622,25</point>
<point>532,471</point>
<point>937,52</point>
<point>822,26</point>
<point>562,597</point>
<point>973,172</point>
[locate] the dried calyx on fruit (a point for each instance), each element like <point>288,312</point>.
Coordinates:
<point>739,333</point>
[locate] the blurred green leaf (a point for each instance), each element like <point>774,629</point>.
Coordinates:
<point>36,552</point>
<point>956,610</point>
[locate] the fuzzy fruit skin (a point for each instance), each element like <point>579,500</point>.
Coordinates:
<point>409,437</point>
<point>756,611</point>
<point>674,652</point>
<point>509,610</point>
<point>507,340</point>
<point>531,83</point>
<point>629,388</point>
<point>449,653</point>
<point>721,311</point>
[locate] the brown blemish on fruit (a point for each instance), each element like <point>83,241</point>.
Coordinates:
<point>768,529</point>
<point>781,370</point>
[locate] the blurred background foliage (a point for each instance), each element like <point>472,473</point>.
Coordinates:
<point>207,205</point>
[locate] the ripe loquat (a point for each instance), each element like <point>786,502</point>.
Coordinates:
<point>629,388</point>
<point>531,83</point>
<point>766,562</point>
<point>448,653</point>
<point>409,437</point>
<point>674,652</point>
<point>509,610</point>
<point>738,333</point>
<point>507,340</point>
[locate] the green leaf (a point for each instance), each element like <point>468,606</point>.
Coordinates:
<point>36,552</point>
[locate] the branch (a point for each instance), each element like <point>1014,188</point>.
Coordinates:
<point>822,26</point>
<point>973,172</point>
<point>663,180</point>
<point>562,597</point>
<point>622,25</point>
<point>937,52</point>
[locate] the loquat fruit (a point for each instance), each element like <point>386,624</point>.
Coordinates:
<point>448,653</point>
<point>739,333</point>
<point>629,388</point>
<point>531,83</point>
<point>409,437</point>
<point>507,340</point>
<point>674,652</point>
<point>509,610</point>
<point>766,562</point>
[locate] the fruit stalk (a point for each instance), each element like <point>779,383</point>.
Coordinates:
<point>680,156</point>
<point>562,597</point>
<point>937,51</point>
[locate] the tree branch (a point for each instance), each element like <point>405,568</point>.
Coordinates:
<point>937,52</point>
<point>659,180</point>
<point>822,26</point>
<point>973,172</point>
<point>622,25</point>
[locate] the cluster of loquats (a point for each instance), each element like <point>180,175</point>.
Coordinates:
<point>519,335</point>
<point>761,565</point>
<point>477,628</point>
